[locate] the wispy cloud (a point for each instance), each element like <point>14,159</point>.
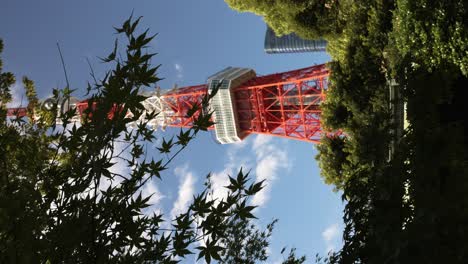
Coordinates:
<point>330,236</point>
<point>120,166</point>
<point>235,161</point>
<point>179,71</point>
<point>186,190</point>
<point>151,188</point>
<point>270,160</point>
<point>259,153</point>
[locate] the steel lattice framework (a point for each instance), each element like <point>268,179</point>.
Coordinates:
<point>284,104</point>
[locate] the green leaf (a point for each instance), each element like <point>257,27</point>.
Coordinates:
<point>184,137</point>
<point>166,146</point>
<point>255,188</point>
<point>113,54</point>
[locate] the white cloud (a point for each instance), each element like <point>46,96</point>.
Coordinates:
<point>260,141</point>
<point>330,236</point>
<point>186,190</point>
<point>179,71</point>
<point>270,160</point>
<point>18,96</point>
<point>218,182</point>
<point>150,188</point>
<point>221,179</point>
<point>120,166</point>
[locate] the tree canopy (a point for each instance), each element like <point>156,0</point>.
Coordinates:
<point>309,19</point>
<point>398,204</point>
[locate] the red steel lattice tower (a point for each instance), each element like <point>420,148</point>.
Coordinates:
<point>284,104</point>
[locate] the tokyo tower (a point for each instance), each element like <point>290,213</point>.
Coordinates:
<point>283,104</point>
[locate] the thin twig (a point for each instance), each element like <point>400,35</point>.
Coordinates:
<point>92,71</point>
<point>63,65</point>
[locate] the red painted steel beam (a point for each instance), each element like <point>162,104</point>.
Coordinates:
<point>181,101</point>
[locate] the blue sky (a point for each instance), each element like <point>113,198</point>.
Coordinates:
<point>195,39</point>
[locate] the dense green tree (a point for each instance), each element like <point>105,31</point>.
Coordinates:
<point>431,33</point>
<point>332,160</point>
<point>245,243</point>
<point>437,162</point>
<point>397,204</point>
<point>309,19</point>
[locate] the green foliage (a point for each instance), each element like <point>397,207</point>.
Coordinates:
<point>438,182</point>
<point>396,206</point>
<point>292,259</point>
<point>397,209</point>
<point>60,199</point>
<point>244,243</point>
<point>332,159</point>
<point>31,95</point>
<point>357,102</point>
<point>7,79</point>
<point>431,33</point>
<point>309,19</point>
<point>335,115</point>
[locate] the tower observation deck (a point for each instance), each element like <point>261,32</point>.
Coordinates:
<point>283,104</point>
